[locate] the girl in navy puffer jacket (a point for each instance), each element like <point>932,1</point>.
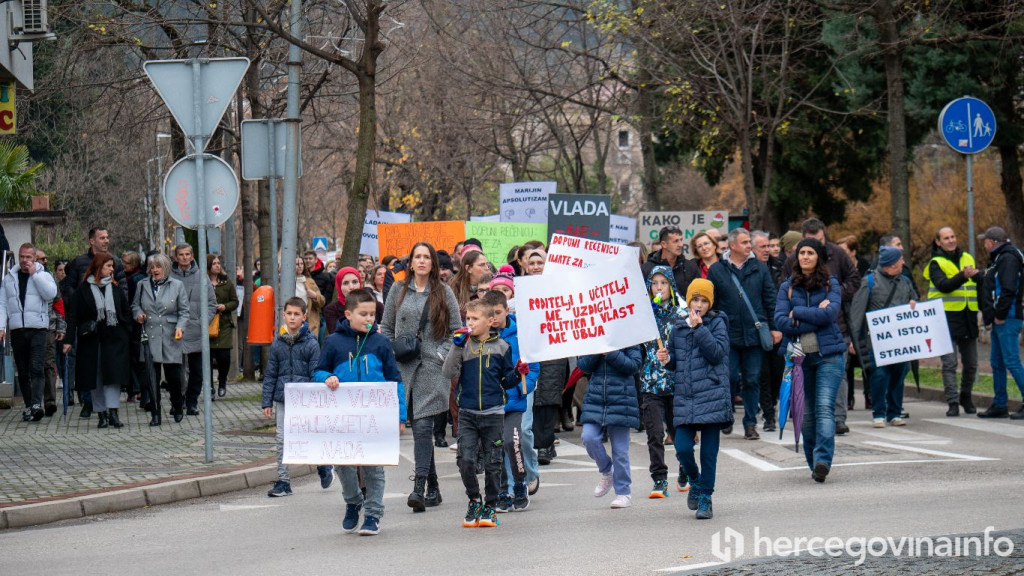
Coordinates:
<point>611,404</point>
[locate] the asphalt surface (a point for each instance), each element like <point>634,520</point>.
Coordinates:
<point>937,476</point>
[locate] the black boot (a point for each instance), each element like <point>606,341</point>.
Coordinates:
<point>103,419</point>
<point>86,410</point>
<point>433,491</point>
<point>112,418</point>
<point>967,403</point>
<point>566,416</point>
<point>155,421</point>
<point>543,456</point>
<point>417,501</point>
<point>954,409</point>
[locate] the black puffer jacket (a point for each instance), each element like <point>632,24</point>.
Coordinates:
<point>551,383</point>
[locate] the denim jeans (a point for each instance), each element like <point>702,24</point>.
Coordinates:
<point>745,374</point>
<point>423,446</point>
<point>701,479</point>
<point>618,464</point>
<point>822,378</point>
<point>282,468</point>
<point>1005,358</point>
<point>887,390</point>
<point>373,477</point>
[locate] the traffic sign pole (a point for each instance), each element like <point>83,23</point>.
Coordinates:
<point>275,278</point>
<point>968,126</point>
<point>970,201</point>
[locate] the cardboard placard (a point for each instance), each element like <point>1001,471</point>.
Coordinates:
<point>368,244</point>
<point>497,238</point>
<point>899,334</point>
<point>651,223</point>
<point>398,239</point>
<point>567,253</point>
<point>622,229</point>
<point>525,201</point>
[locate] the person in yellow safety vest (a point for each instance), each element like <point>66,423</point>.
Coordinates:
<point>951,276</point>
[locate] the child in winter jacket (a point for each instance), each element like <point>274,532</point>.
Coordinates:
<point>356,352</point>
<point>610,403</point>
<point>698,355</point>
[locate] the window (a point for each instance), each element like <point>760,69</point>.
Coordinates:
<point>623,138</point>
<point>624,190</point>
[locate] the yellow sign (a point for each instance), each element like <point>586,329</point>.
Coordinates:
<point>7,112</point>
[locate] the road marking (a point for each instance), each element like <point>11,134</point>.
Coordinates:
<point>389,495</point>
<point>690,567</point>
<point>885,462</point>
<point>928,451</point>
<point>901,435</point>
<point>1008,430</point>
<point>754,461</point>
<point>237,507</point>
<point>544,471</point>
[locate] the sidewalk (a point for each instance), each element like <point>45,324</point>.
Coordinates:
<point>65,458</point>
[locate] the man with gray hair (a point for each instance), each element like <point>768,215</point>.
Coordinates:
<point>1001,293</point>
<point>187,271</point>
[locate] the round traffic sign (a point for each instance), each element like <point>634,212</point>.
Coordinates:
<point>181,193</point>
<point>967,125</point>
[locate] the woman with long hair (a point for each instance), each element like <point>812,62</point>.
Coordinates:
<point>523,253</point>
<point>306,288</point>
<point>376,286</point>
<point>422,299</point>
<point>471,271</point>
<point>806,312</point>
<point>227,303</point>
<point>99,320</point>
<point>704,250</point>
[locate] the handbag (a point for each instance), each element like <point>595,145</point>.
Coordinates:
<point>215,326</point>
<point>808,340</point>
<point>407,346</point>
<point>764,333</point>
<point>86,328</point>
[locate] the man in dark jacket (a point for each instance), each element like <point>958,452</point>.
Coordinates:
<point>1001,308</point>
<point>951,276</point>
<point>774,364</point>
<point>324,281</point>
<point>670,254</point>
<point>99,242</point>
<point>745,352</point>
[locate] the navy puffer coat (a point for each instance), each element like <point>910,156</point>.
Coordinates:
<point>699,360</point>
<point>611,394</point>
<point>808,317</point>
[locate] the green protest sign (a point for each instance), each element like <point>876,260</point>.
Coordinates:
<point>498,238</point>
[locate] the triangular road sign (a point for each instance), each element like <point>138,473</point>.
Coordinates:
<point>219,78</point>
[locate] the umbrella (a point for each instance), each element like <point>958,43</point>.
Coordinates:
<point>62,362</point>
<point>915,367</point>
<point>151,385</point>
<point>784,392</point>
<point>796,403</point>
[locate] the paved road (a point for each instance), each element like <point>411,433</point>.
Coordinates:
<point>936,476</point>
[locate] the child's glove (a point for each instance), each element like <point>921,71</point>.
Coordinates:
<point>522,368</point>
<point>460,336</point>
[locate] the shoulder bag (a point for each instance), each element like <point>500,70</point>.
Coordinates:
<point>763,331</point>
<point>407,346</point>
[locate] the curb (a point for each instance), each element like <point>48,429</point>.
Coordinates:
<point>119,500</point>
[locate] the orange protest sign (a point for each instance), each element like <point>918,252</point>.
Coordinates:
<point>398,239</point>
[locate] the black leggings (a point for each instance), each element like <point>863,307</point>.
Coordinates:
<point>220,360</point>
<point>544,420</point>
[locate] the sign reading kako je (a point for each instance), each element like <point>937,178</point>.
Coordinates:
<point>357,424</point>
<point>586,311</point>
<point>570,253</point>
<point>899,334</point>
<point>689,223</point>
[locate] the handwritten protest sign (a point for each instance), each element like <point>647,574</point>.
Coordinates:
<point>567,253</point>
<point>525,201</point>
<point>490,218</point>
<point>622,229</point>
<point>586,311</point>
<point>899,334</point>
<point>398,239</point>
<point>690,223</point>
<point>581,215</point>
<point>368,244</point>
<point>497,238</point>
<point>357,424</point>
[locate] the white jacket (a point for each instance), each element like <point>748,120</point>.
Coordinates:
<point>40,291</point>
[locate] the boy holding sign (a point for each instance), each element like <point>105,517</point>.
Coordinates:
<point>483,367</point>
<point>356,352</point>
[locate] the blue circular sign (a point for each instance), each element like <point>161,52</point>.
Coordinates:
<point>968,125</point>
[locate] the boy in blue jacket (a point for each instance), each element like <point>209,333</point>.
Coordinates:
<point>357,352</point>
<point>293,357</point>
<point>515,471</point>
<point>482,365</point>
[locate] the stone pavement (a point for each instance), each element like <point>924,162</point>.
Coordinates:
<point>887,564</point>
<point>61,457</point>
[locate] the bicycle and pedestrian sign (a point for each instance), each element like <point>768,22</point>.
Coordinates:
<point>968,125</point>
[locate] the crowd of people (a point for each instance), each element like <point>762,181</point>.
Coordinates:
<point>747,307</point>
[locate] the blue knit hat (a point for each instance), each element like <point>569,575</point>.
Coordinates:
<point>888,255</point>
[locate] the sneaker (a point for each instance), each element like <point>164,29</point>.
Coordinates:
<point>750,433</point>
<point>878,423</point>
<point>326,476</point>
<point>532,486</point>
<point>281,488</point>
<point>26,414</point>
<point>557,441</point>
<point>897,421</point>
<point>504,503</point>
<point>692,499</point>
<point>522,500</point>
<point>622,501</point>
<point>454,446</point>
<point>351,517</point>
<point>472,518</point>
<point>660,489</point>
<point>682,481</point>
<point>37,413</point>
<point>371,526</point>
<point>603,486</point>
<point>819,472</point>
<point>488,519</point>
<point>769,426</point>
<point>704,508</point>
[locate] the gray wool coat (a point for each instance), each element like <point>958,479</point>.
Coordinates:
<point>192,341</point>
<point>425,388</point>
<point>164,312</point>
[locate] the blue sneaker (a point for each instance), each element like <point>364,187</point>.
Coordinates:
<point>522,499</point>
<point>351,517</point>
<point>692,499</point>
<point>280,488</point>
<point>504,503</point>
<point>326,476</point>
<point>371,526</point>
<point>704,510</point>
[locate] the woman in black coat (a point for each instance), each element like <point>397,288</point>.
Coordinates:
<point>100,320</point>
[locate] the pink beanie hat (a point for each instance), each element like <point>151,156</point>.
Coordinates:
<point>504,276</point>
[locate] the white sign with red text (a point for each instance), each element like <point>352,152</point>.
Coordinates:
<point>567,253</point>
<point>899,334</point>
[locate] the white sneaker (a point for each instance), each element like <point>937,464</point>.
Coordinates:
<point>878,423</point>
<point>603,486</point>
<point>454,446</point>
<point>897,422</point>
<point>622,501</point>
